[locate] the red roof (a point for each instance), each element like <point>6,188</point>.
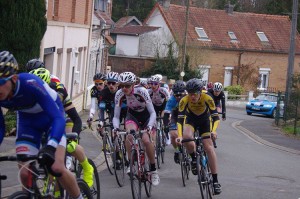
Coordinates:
<point>217,23</point>
<point>103,16</point>
<point>126,20</point>
<point>133,30</point>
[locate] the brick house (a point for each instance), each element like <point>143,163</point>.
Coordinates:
<point>65,46</point>
<point>222,41</point>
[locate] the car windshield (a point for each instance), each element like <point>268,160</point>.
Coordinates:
<point>270,98</point>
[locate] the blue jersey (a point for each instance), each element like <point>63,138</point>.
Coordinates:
<point>39,110</point>
<point>171,104</point>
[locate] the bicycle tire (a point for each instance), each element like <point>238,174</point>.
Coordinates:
<point>95,189</point>
<point>158,148</point>
<point>108,151</point>
<point>84,189</point>
<point>163,146</point>
<point>209,180</point>
<point>199,176</point>
<point>183,166</point>
<point>119,172</point>
<point>147,177</point>
<point>0,186</point>
<point>20,195</point>
<point>135,179</point>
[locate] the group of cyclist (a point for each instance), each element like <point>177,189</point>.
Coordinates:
<point>42,105</point>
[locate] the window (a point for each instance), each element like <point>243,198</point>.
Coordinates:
<point>262,36</point>
<point>232,36</point>
<point>228,76</point>
<point>100,5</point>
<point>202,34</point>
<point>264,74</point>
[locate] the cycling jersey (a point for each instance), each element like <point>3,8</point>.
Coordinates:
<point>62,92</point>
<point>217,99</point>
<point>199,111</point>
<point>39,110</point>
<point>160,96</point>
<point>171,108</point>
<point>137,102</point>
<point>95,95</point>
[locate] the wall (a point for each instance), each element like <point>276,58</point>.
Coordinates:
<point>127,45</point>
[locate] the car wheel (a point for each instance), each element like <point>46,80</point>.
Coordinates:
<point>273,113</point>
<point>249,113</point>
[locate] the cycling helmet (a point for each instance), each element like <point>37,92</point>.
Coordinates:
<point>159,76</point>
<point>144,83</point>
<point>8,64</point>
<point>155,78</point>
<point>194,85</point>
<point>42,73</point>
<point>99,76</point>
<point>127,78</point>
<point>178,87</point>
<point>112,76</point>
<point>218,87</point>
<point>210,85</point>
<point>34,64</point>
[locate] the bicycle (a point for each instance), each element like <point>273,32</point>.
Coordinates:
<point>204,176</point>
<point>120,159</point>
<point>185,164</point>
<point>160,142</point>
<point>139,166</point>
<point>73,165</point>
<point>39,185</point>
<point>4,177</point>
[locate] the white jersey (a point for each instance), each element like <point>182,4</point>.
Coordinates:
<point>137,101</point>
<point>159,96</point>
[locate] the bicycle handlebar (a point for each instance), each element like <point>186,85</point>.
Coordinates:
<point>8,158</point>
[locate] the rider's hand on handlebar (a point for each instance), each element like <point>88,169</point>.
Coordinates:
<point>178,140</point>
<point>214,135</point>
<point>224,116</point>
<point>89,121</point>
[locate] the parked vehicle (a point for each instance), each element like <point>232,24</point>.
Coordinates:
<point>265,104</point>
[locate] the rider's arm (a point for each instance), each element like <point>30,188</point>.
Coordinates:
<point>73,114</point>
<point>213,112</point>
<point>102,107</point>
<point>223,103</point>
<point>2,126</point>
<point>118,105</point>
<point>51,104</point>
<point>93,107</point>
<point>181,114</point>
<point>152,112</point>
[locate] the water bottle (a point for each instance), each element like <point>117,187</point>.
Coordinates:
<point>204,161</point>
<point>68,162</point>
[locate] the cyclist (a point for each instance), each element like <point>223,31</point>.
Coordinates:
<point>196,110</point>
<point>218,95</point>
<point>144,83</point>
<point>39,110</point>
<point>73,148</point>
<point>35,64</point>
<point>171,108</point>
<point>159,95</point>
<point>99,80</point>
<point>140,113</point>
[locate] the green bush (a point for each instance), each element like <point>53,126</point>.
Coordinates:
<point>10,122</point>
<point>234,90</point>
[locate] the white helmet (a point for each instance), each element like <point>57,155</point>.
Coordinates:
<point>127,78</point>
<point>218,87</point>
<point>155,78</point>
<point>112,77</point>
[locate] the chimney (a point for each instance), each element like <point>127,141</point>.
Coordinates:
<point>229,8</point>
<point>165,3</point>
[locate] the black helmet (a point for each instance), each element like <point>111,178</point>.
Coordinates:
<point>99,76</point>
<point>194,85</point>
<point>34,64</point>
<point>8,64</point>
<point>178,87</point>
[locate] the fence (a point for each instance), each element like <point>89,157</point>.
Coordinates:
<point>238,100</point>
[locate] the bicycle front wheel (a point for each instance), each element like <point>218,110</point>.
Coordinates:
<point>147,177</point>
<point>119,162</point>
<point>135,178</point>
<point>158,148</point>
<point>184,164</point>
<point>200,178</point>
<point>108,151</point>
<point>19,195</point>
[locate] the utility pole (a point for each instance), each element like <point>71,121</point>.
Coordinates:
<point>290,69</point>
<point>184,39</point>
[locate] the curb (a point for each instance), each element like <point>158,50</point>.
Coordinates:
<point>236,125</point>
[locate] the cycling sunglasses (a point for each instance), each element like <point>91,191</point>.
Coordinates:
<point>125,86</point>
<point>154,83</point>
<point>194,92</point>
<point>111,83</point>
<point>4,80</point>
<point>178,95</point>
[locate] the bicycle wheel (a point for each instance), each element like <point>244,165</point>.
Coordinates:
<point>95,189</point>
<point>119,162</point>
<point>158,148</point>
<point>209,180</point>
<point>147,177</point>
<point>19,195</point>
<point>84,189</point>
<point>108,151</point>
<point>183,166</point>
<point>200,177</point>
<point>163,146</point>
<point>135,178</point>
